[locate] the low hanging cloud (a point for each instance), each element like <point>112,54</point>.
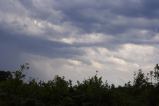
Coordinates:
<point>75,38</point>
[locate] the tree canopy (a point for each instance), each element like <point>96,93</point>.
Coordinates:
<point>14,91</point>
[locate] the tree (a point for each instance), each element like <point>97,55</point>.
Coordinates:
<point>140,80</point>
<point>4,75</point>
<point>18,74</point>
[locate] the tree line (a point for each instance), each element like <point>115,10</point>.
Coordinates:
<point>15,91</point>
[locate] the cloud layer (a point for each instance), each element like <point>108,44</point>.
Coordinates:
<point>75,38</point>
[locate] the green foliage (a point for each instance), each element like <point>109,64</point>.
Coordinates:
<point>140,80</point>
<point>5,75</point>
<point>18,74</point>
<point>14,91</point>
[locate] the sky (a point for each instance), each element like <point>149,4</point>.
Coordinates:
<point>74,38</point>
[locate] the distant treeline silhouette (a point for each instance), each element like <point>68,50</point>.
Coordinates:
<point>15,91</point>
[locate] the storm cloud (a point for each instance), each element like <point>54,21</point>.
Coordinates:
<point>75,38</point>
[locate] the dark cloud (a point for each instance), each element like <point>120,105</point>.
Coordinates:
<point>72,31</point>
<point>101,16</point>
<point>38,46</point>
<point>42,10</point>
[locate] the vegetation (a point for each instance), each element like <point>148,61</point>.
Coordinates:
<point>14,91</point>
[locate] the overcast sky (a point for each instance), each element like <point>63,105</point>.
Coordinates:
<point>74,38</point>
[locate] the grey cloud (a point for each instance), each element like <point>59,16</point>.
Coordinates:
<point>35,45</point>
<point>42,10</point>
<point>99,16</point>
<point>95,16</point>
<point>123,20</point>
